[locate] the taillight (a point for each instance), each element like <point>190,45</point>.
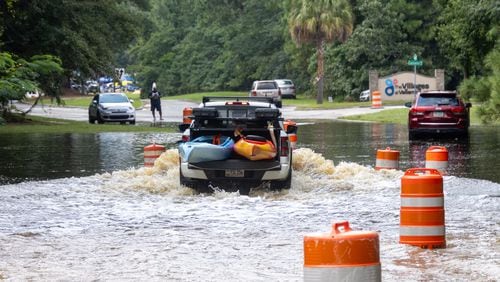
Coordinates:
<point>279,92</point>
<point>185,138</point>
<point>417,113</point>
<point>459,111</point>
<point>284,146</point>
<point>254,93</point>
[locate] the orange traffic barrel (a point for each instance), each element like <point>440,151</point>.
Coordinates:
<point>437,157</point>
<point>342,255</point>
<point>387,159</point>
<point>151,153</point>
<point>292,135</point>
<point>422,209</point>
<point>376,100</point>
<point>186,115</point>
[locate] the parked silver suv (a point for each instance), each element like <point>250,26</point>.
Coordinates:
<point>266,88</point>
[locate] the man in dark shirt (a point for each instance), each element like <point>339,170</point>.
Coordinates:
<point>154,97</point>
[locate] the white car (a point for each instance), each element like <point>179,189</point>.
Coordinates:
<point>365,96</point>
<point>111,107</point>
<point>266,88</point>
<point>287,88</point>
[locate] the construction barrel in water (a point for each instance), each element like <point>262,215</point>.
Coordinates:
<point>422,209</point>
<point>342,255</point>
<point>151,153</point>
<point>387,159</point>
<point>437,157</point>
<point>186,115</point>
<point>376,100</point>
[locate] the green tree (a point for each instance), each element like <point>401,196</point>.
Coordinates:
<point>318,23</point>
<point>379,42</point>
<point>462,33</point>
<point>18,76</point>
<point>87,35</point>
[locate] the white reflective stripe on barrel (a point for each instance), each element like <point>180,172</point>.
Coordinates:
<point>386,163</point>
<point>422,202</point>
<point>327,273</point>
<point>422,230</point>
<point>152,153</point>
<point>436,164</point>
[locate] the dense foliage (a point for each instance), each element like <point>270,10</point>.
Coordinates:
<point>215,45</point>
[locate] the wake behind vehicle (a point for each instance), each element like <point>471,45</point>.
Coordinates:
<point>111,107</point>
<point>438,112</point>
<point>238,143</point>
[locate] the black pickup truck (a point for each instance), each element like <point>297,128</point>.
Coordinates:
<point>250,116</point>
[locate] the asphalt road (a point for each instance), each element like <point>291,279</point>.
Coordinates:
<point>172,112</point>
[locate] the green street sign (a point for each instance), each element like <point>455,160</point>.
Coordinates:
<point>415,63</point>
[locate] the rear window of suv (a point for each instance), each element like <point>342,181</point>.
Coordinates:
<point>266,85</point>
<point>438,100</point>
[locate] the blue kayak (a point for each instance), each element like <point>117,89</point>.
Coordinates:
<point>203,149</point>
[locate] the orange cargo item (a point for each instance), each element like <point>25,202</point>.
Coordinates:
<point>422,209</point>
<point>342,255</point>
<point>437,157</point>
<point>255,149</point>
<point>387,159</point>
<point>151,153</point>
<point>186,115</point>
<point>376,100</point>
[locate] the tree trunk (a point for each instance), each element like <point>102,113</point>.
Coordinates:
<point>320,48</point>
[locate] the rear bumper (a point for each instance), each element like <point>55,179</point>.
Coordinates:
<point>253,171</point>
<point>438,130</point>
<point>118,117</point>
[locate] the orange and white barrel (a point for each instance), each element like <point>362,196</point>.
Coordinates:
<point>292,136</point>
<point>437,157</point>
<point>342,255</point>
<point>387,159</point>
<point>376,100</point>
<point>422,209</point>
<point>186,115</point>
<point>151,153</point>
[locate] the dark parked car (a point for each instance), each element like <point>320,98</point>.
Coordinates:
<point>111,107</point>
<point>438,112</point>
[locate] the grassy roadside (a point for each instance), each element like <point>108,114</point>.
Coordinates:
<point>84,101</point>
<point>302,102</point>
<point>400,116</point>
<point>35,124</point>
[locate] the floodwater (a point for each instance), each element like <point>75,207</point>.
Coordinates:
<point>105,217</point>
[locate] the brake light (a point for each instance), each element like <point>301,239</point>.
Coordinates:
<point>185,138</point>
<point>458,111</point>
<point>254,93</point>
<point>284,146</point>
<point>417,112</point>
<point>238,103</point>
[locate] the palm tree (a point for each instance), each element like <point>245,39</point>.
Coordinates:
<point>318,22</point>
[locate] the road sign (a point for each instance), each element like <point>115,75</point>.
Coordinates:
<point>415,63</point>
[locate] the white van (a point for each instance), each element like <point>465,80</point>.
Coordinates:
<point>365,96</point>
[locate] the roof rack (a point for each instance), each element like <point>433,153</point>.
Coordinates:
<point>269,100</point>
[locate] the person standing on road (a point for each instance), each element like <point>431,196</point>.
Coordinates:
<point>154,97</point>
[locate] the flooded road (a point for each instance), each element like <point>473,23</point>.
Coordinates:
<point>133,223</point>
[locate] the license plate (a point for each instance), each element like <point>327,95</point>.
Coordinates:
<point>438,114</point>
<point>234,173</point>
<point>268,93</point>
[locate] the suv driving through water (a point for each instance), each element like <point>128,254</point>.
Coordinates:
<point>258,122</point>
